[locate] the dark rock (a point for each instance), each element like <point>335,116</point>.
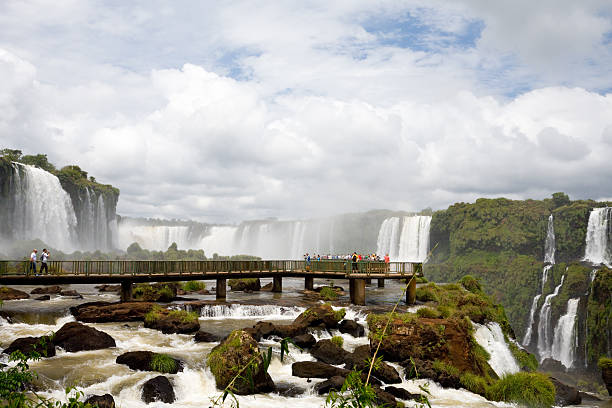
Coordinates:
<point>588,397</point>
<point>316,369</point>
<point>384,398</point>
<point>305,340</point>
<point>351,327</point>
<point>289,390</point>
<point>141,360</point>
<point>205,337</point>
<point>29,344</point>
<point>101,401</point>
<point>12,294</point>
<point>402,393</point>
<point>335,383</point>
<point>551,366</point>
<point>228,358</point>
<point>565,394</point>
<point>606,375</point>
<point>252,284</point>
<point>319,316</point>
<point>75,336</point>
<point>168,323</point>
<point>43,297</point>
<point>425,369</point>
<point>108,288</point>
<point>328,352</point>
<point>267,287</point>
<point>46,290</point>
<point>158,389</point>
<point>6,317</point>
<point>103,312</point>
<point>359,360</point>
<point>71,293</point>
<point>262,330</point>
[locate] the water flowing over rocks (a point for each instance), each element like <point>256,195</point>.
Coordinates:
<point>101,401</point>
<point>306,340</point>
<point>328,352</point>
<point>75,336</point>
<point>46,290</point>
<point>360,360</point>
<point>43,297</point>
<point>43,345</point>
<point>316,369</point>
<point>144,361</point>
<point>335,383</point>
<point>565,394</point>
<point>158,389</point>
<point>103,312</point>
<point>12,294</point>
<point>205,337</point>
<point>351,327</point>
<point>402,393</point>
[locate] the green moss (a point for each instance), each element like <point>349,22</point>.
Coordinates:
<point>474,383</point>
<point>529,389</point>
<point>376,322</point>
<point>428,312</point>
<point>470,283</point>
<point>427,293</point>
<point>605,362</point>
<point>446,368</point>
<point>339,314</point>
<point>154,314</point>
<point>163,363</point>
<point>338,341</point>
<point>328,293</point>
<point>248,281</point>
<point>184,316</point>
<point>193,286</point>
<point>526,360</point>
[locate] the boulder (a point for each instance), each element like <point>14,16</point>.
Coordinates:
<point>289,390</point>
<point>108,288</point>
<point>158,389</point>
<point>101,401</point>
<point>384,398</point>
<point>606,375</point>
<point>231,356</point>
<point>156,292</point>
<point>75,336</point>
<point>335,383</point>
<point>252,284</point>
<point>305,340</point>
<point>43,297</point>
<point>322,316</point>
<point>565,394</point>
<point>262,330</point>
<point>267,287</point>
<point>171,321</point>
<point>328,352</point>
<point>205,337</point>
<point>103,312</point>
<point>46,290</point>
<point>42,345</point>
<point>425,369</point>
<point>316,369</point>
<point>351,327</point>
<point>402,393</point>
<point>149,361</point>
<point>12,294</point>
<point>71,293</point>
<point>359,360</point>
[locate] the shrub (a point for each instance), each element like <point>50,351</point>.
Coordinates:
<point>339,314</point>
<point>473,383</point>
<point>338,341</point>
<point>328,293</point>
<point>194,286</point>
<point>428,312</point>
<point>529,389</point>
<point>526,360</point>
<point>605,362</point>
<point>163,363</point>
<point>154,314</point>
<point>427,293</point>
<point>184,316</point>
<point>470,283</point>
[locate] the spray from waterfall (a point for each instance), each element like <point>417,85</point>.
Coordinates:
<point>565,339</point>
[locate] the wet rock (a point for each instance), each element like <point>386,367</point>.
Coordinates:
<point>205,337</point>
<point>42,345</point>
<point>384,398</point>
<point>267,287</point>
<point>71,293</point>
<point>75,336</point>
<point>12,294</point>
<point>305,340</point>
<point>328,352</point>
<point>606,375</point>
<point>402,393</point>
<point>289,390</point>
<point>232,355</point>
<point>146,361</point>
<point>351,327</point>
<point>6,317</point>
<point>251,284</point>
<point>316,369</point>
<point>169,322</point>
<point>319,316</point>
<point>360,360</point>
<point>262,330</point>
<point>108,288</point>
<point>158,389</point>
<point>335,383</point>
<point>46,290</point>
<point>43,297</point>
<point>565,394</point>
<point>425,370</point>
<point>103,312</point>
<point>101,401</point>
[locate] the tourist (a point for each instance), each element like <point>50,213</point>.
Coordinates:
<point>43,261</point>
<point>355,259</point>
<point>387,262</point>
<point>33,261</point>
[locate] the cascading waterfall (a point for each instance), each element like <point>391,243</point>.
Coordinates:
<point>246,311</point>
<point>565,339</point>
<point>544,325</point>
<point>154,237</point>
<point>414,240</point>
<point>549,244</point>
<point>532,311</point>
<point>491,338</point>
<point>388,242</point>
<point>599,234</point>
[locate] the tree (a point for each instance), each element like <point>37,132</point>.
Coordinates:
<point>560,199</point>
<point>11,154</point>
<point>134,248</point>
<point>39,160</point>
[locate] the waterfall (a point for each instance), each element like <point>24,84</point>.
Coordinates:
<point>599,231</point>
<point>414,239</point>
<point>297,240</point>
<point>154,237</point>
<point>565,339</point>
<point>221,240</point>
<point>534,306</point>
<point>549,244</point>
<point>544,325</point>
<point>491,338</point>
<point>38,208</point>
<point>388,242</point>
<point>235,311</point>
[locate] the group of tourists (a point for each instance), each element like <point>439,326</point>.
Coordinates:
<point>360,257</point>
<point>44,257</point>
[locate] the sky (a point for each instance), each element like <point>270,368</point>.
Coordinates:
<point>223,111</point>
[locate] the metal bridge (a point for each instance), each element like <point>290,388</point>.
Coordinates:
<point>128,272</point>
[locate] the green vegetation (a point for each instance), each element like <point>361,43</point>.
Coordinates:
<point>328,293</point>
<point>193,286</point>
<point>474,383</point>
<point>338,341</point>
<point>163,363</point>
<point>155,292</point>
<point>599,310</point>
<point>526,360</point>
<point>154,314</point>
<point>339,314</point>
<point>184,316</point>
<point>429,312</point>
<point>157,312</point>
<point>246,281</point>
<point>528,389</point>
<point>605,363</point>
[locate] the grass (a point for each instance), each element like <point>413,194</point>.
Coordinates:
<point>534,390</point>
<point>338,341</point>
<point>157,312</point>
<point>605,362</point>
<point>474,383</point>
<point>193,286</point>
<point>328,293</point>
<point>429,313</point>
<point>442,367</point>
<point>163,363</point>
<point>527,361</point>
<point>151,293</point>
<point>154,314</point>
<point>184,316</point>
<point>471,284</point>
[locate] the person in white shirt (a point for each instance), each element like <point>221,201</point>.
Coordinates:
<point>43,261</point>
<point>33,261</point>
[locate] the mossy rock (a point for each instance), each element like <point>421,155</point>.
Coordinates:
<point>157,292</point>
<point>171,321</point>
<point>247,284</point>
<point>320,316</point>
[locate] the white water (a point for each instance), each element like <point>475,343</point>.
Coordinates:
<point>414,241</point>
<point>532,311</point>
<point>549,244</point>
<point>388,242</point>
<point>42,209</point>
<point>157,238</point>
<point>235,311</point>
<point>565,339</point>
<point>599,231</point>
<point>491,338</point>
<point>544,325</point>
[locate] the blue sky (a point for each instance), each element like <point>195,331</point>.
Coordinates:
<point>224,111</point>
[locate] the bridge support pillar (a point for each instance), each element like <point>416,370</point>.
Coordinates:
<point>221,289</point>
<point>358,291</point>
<point>368,281</point>
<point>277,284</point>
<point>126,291</point>
<point>309,283</point>
<point>381,282</point>
<point>411,292</point>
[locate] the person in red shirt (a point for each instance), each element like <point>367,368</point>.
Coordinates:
<point>387,261</point>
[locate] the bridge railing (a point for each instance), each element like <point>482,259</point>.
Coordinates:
<point>151,267</point>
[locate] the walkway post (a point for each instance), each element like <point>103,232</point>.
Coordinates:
<point>309,283</point>
<point>411,292</point>
<point>126,291</point>
<point>381,282</point>
<point>221,289</point>
<point>277,284</point>
<point>359,286</point>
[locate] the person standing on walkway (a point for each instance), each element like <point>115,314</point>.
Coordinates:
<point>33,261</point>
<point>43,261</point>
<point>387,262</point>
<point>355,259</point>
